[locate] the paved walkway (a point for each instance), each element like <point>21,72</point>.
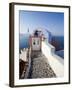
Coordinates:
<point>40,66</point>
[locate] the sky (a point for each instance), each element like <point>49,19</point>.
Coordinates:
<point>52,21</point>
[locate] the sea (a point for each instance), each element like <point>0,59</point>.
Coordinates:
<point>59,41</point>
<point>24,43</point>
<point>60,53</point>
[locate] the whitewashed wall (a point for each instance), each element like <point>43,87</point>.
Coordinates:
<point>55,61</point>
<point>37,43</point>
<point>23,55</point>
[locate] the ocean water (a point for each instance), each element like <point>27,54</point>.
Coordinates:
<point>60,53</point>
<point>59,45</point>
<point>59,41</point>
<point>23,41</point>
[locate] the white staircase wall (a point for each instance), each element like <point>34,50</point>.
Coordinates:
<point>56,63</point>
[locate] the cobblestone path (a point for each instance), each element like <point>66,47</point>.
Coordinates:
<point>40,66</point>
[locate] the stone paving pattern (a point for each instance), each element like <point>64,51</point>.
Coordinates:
<point>40,66</point>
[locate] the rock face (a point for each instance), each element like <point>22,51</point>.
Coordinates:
<point>40,66</point>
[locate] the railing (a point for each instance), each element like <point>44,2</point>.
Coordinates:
<point>56,62</point>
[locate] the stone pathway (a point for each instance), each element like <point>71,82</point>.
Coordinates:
<point>40,66</point>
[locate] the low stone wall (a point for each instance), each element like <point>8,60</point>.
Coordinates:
<point>29,64</point>
<point>56,62</point>
<point>25,56</point>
